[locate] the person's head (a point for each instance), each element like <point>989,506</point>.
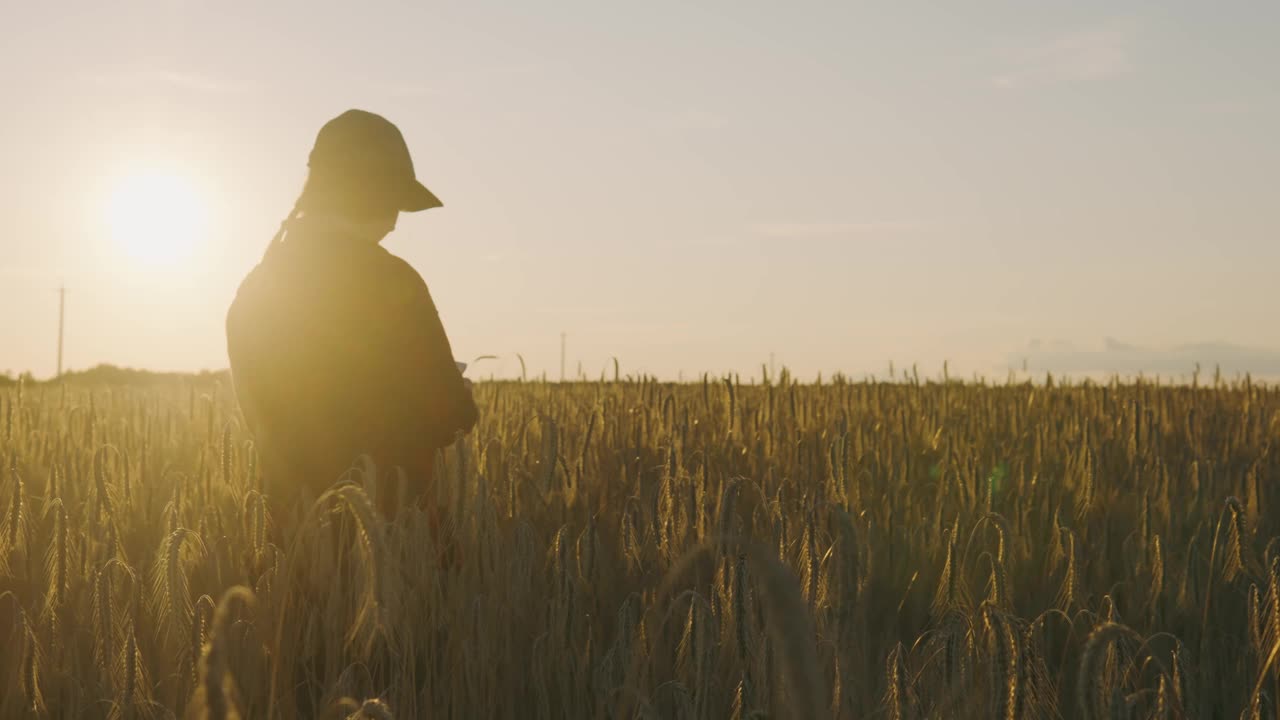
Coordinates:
<point>361,173</point>
<point>348,198</point>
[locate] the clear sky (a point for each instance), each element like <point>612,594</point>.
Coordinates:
<point>686,186</point>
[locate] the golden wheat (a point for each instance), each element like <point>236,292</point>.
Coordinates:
<point>633,548</point>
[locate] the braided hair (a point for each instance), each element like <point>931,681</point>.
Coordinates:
<point>353,196</point>
<point>285,226</point>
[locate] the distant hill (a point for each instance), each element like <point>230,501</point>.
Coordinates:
<point>113,375</point>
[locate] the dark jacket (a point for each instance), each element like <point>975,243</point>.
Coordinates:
<point>337,351</point>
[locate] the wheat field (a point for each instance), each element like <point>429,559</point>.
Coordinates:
<point>637,549</point>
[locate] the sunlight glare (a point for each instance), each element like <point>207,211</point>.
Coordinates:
<point>157,219</point>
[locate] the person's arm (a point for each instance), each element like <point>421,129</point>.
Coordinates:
<point>425,366</point>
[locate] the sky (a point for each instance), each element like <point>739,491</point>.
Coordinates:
<point>685,186</point>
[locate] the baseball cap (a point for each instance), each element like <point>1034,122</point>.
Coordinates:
<point>361,144</point>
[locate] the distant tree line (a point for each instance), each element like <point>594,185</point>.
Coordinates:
<point>106,374</point>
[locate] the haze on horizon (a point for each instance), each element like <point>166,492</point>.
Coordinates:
<point>684,188</point>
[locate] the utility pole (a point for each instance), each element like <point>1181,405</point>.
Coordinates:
<point>562,345</point>
<point>62,308</point>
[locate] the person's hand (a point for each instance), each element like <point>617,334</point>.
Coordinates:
<point>470,388</point>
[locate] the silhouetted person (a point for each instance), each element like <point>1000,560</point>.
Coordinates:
<point>336,347</point>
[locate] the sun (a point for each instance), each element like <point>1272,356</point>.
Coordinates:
<point>157,218</point>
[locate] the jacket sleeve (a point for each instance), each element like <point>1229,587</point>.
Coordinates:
<point>423,364</point>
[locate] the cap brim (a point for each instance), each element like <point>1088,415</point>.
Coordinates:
<point>418,198</point>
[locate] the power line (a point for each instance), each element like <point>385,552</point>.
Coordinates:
<point>62,314</point>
